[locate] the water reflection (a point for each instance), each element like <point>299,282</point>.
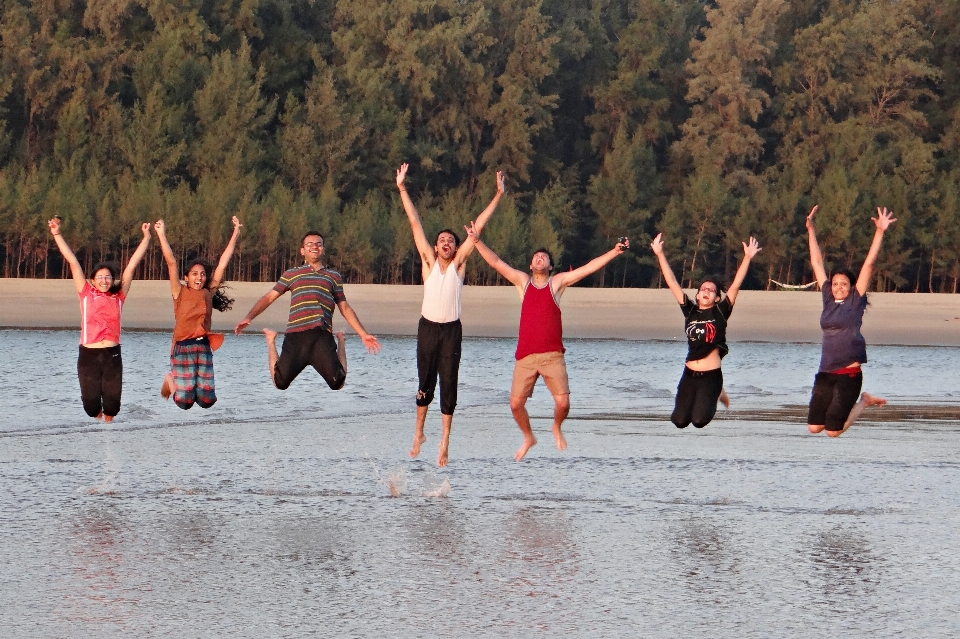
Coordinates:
<point>96,594</point>
<point>707,558</point>
<point>843,566</point>
<point>436,530</point>
<point>539,545</point>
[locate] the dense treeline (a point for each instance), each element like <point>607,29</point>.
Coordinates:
<point>710,121</point>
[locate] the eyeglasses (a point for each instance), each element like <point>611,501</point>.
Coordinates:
<point>104,278</point>
<point>708,290</point>
<point>313,244</point>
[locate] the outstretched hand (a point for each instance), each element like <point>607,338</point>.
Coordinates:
<point>160,227</point>
<point>751,249</point>
<point>145,227</point>
<point>240,326</point>
<point>884,219</point>
<point>472,232</point>
<point>236,223</point>
<point>501,183</point>
<point>371,343</point>
<point>54,225</point>
<point>402,174</point>
<point>810,217</point>
<point>657,244</point>
<point>622,246</point>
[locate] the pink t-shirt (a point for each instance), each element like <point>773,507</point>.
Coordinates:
<point>99,315</point>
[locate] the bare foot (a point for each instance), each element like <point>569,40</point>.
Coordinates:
<point>107,419</point>
<point>724,398</point>
<point>528,443</point>
<point>418,439</point>
<point>870,400</point>
<point>99,416</point>
<point>561,440</point>
<point>166,389</point>
<point>442,457</point>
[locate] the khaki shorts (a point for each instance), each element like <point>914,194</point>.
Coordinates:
<point>551,366</point>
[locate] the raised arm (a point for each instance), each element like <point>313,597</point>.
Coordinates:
<point>883,221</point>
<point>126,279</point>
<point>816,257</point>
<point>562,280</point>
<point>750,250</point>
<point>427,254</point>
<point>668,276</point>
<point>75,269</point>
<point>468,244</point>
<point>260,306</point>
<point>512,275</point>
<point>227,254</point>
<point>168,257</point>
<point>369,341</point>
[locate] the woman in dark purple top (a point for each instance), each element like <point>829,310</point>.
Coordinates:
<point>833,405</point>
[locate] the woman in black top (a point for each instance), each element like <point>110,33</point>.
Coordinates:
<point>705,324</point>
<point>833,404</point>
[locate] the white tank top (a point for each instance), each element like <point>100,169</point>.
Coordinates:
<point>441,294</point>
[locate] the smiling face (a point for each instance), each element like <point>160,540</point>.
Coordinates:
<point>196,277</point>
<point>103,280</point>
<point>707,295</point>
<point>840,286</point>
<point>446,246</point>
<point>312,248</point>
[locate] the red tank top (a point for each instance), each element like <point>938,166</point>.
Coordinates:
<point>541,330</point>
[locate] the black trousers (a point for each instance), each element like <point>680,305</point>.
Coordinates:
<point>697,395</point>
<point>101,378</point>
<point>833,398</point>
<point>438,354</point>
<point>315,347</point>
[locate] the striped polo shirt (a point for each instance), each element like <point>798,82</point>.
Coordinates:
<point>313,295</point>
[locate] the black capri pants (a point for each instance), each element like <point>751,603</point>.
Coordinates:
<point>697,395</point>
<point>833,398</point>
<point>101,379</point>
<point>438,354</point>
<point>316,347</point>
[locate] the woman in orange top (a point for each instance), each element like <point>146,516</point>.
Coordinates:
<point>100,366</point>
<point>190,379</point>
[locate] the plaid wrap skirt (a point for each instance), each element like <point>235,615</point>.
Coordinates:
<point>192,366</point>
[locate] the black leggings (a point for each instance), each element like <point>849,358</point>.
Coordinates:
<point>438,353</point>
<point>697,395</point>
<point>315,347</point>
<point>101,377</point>
<point>833,398</point>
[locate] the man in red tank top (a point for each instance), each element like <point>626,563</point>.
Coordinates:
<point>540,344</point>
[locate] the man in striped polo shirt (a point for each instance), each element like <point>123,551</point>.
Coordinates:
<point>314,292</point>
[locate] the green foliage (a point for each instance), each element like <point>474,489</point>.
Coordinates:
<point>710,122</point>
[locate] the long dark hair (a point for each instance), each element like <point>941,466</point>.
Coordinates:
<point>721,287</point>
<point>114,269</point>
<point>849,275</point>
<point>220,300</point>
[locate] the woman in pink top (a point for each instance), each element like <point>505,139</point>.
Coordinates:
<point>100,367</point>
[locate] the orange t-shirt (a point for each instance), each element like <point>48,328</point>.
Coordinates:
<point>192,311</point>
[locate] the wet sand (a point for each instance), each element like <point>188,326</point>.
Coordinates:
<point>494,311</point>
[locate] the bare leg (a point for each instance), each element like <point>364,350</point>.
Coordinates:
<point>561,408</point>
<point>724,398</point>
<point>444,440</point>
<point>418,436</point>
<point>866,399</point>
<point>272,355</point>
<point>520,415</point>
<point>168,387</point>
<point>342,350</point>
<point>107,419</point>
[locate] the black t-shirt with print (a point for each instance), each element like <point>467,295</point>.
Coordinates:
<point>706,328</point>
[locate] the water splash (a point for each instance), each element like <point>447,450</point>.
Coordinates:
<point>435,487</point>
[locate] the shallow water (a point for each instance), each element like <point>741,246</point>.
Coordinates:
<point>270,515</point>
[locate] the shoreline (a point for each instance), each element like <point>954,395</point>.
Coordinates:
<point>907,319</point>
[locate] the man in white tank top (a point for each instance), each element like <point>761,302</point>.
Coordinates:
<point>439,334</point>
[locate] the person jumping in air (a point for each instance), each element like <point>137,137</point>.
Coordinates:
<point>314,292</point>
<point>439,333</point>
<point>100,365</point>
<point>540,342</point>
<point>836,387</point>
<point>705,323</point>
<point>190,379</point>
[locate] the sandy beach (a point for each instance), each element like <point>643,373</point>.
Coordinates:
<point>494,311</point>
